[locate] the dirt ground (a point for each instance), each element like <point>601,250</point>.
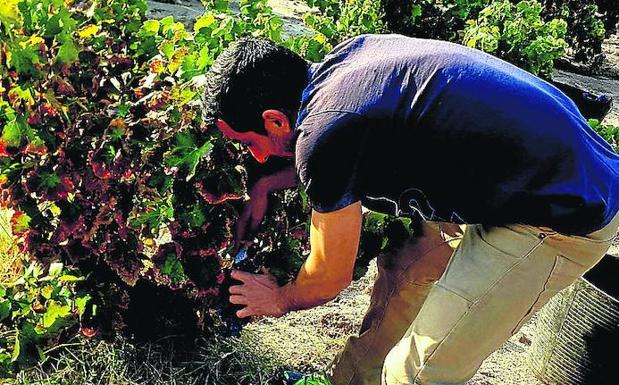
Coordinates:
<point>309,339</point>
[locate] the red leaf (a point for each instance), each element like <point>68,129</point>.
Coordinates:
<point>49,110</point>
<point>3,150</point>
<point>35,149</point>
<point>100,171</point>
<point>214,199</point>
<point>88,332</point>
<point>20,222</point>
<point>34,118</point>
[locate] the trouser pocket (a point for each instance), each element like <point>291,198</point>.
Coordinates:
<point>488,254</point>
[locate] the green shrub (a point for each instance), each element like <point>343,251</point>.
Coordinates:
<point>586,30</point>
<point>109,168</point>
<point>108,165</point>
<point>434,19</point>
<point>35,310</point>
<point>518,34</point>
<point>341,20</point>
<point>609,132</point>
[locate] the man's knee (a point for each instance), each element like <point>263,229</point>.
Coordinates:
<point>404,366</point>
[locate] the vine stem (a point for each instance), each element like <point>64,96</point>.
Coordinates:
<point>63,346</point>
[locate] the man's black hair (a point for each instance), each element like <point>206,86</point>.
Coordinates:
<point>253,75</point>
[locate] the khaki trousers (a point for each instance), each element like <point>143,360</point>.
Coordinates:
<point>435,315</point>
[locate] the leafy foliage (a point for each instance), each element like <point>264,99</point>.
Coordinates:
<point>586,29</point>
<point>339,21</point>
<point>108,167</point>
<point>518,34</point>
<point>103,151</point>
<point>607,131</point>
<point>37,308</point>
<point>435,19</point>
<point>588,21</point>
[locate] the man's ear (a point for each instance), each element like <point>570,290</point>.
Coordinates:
<point>276,122</point>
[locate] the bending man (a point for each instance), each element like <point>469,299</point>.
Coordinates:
<point>429,128</point>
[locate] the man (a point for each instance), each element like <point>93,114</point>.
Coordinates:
<point>425,127</point>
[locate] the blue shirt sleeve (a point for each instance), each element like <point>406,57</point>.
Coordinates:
<point>328,154</point>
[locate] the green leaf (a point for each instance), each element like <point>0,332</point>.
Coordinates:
<point>5,308</point>
<point>55,269</point>
<point>48,181</point>
<point>416,11</point>
<point>88,31</point>
<point>68,52</point>
<point>16,347</point>
<point>81,302</point>
<point>196,217</point>
<point>161,212</point>
<point>70,278</point>
<point>123,110</point>
<point>204,21</point>
<point>173,269</point>
<point>9,13</point>
<point>25,337</point>
<point>21,223</point>
<point>204,58</point>
<point>55,312</point>
<point>47,291</point>
<point>167,49</point>
<point>166,22</point>
<point>151,27</point>
<point>186,155</point>
<point>14,132</point>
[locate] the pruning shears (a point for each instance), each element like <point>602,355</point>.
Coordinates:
<point>240,256</point>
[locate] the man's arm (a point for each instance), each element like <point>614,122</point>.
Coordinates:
<point>334,240</point>
<point>256,207</point>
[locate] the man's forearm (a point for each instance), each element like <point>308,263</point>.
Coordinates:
<point>298,297</point>
<point>314,286</point>
<point>286,178</point>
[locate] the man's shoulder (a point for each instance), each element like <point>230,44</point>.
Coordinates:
<point>327,124</point>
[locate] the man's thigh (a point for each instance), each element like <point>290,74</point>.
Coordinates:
<point>404,279</point>
<point>493,283</point>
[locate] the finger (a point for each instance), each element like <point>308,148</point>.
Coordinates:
<point>245,312</point>
<point>241,275</point>
<point>238,300</point>
<point>222,125</point>
<point>236,289</point>
<point>258,214</point>
<point>241,228</point>
<point>267,272</point>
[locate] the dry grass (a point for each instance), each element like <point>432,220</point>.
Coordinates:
<point>212,361</point>
<point>9,253</point>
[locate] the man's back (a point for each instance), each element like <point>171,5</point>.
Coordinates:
<point>452,133</point>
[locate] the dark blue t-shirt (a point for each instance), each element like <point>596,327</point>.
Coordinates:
<point>413,125</point>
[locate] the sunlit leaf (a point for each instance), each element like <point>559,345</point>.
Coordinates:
<point>151,26</point>
<point>55,311</point>
<point>9,12</point>
<point>88,31</point>
<point>68,52</point>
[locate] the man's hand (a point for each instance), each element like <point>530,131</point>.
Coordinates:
<point>256,207</point>
<point>253,213</point>
<point>259,293</point>
<point>334,239</point>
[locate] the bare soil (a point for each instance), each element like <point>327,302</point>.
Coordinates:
<point>310,339</point>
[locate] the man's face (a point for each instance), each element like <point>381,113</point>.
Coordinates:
<point>260,146</point>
